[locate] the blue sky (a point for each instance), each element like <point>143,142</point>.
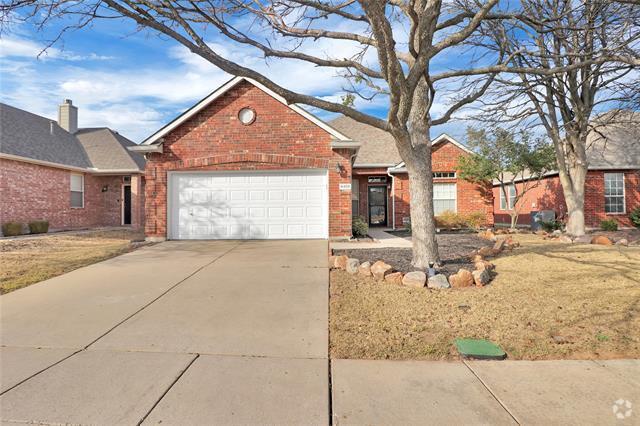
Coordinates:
<point>135,82</point>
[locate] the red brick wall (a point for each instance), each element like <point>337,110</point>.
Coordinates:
<point>471,198</point>
<point>214,139</point>
<point>548,196</point>
<point>31,192</point>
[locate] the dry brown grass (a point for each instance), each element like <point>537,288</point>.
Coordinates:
<point>25,261</point>
<point>587,296</point>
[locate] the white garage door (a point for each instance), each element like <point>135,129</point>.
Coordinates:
<point>248,205</point>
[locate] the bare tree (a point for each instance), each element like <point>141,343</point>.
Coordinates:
<point>593,46</point>
<point>395,43</point>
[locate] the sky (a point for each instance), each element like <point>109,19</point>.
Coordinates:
<point>135,82</point>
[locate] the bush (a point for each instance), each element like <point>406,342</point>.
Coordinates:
<point>11,229</point>
<point>359,227</point>
<point>635,217</point>
<point>475,220</point>
<point>39,226</point>
<point>449,219</point>
<point>551,225</point>
<point>609,225</point>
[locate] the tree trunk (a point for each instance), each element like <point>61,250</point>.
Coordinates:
<point>423,227</point>
<point>574,198</point>
<point>514,219</point>
<point>572,177</point>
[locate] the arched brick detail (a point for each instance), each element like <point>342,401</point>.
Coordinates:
<point>248,157</point>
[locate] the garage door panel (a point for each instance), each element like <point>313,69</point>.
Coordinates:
<point>255,205</point>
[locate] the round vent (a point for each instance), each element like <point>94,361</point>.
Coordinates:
<point>247,116</point>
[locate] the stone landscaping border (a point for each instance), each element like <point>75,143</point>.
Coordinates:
<point>482,274</point>
<point>479,277</point>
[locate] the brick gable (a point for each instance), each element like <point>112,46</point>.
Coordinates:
<point>215,139</point>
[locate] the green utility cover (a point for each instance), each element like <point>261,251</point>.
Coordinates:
<point>479,349</point>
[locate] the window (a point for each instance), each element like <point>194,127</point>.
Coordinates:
<point>614,193</point>
<point>355,198</point>
<point>511,190</point>
<point>444,175</point>
<point>77,191</point>
<point>444,197</point>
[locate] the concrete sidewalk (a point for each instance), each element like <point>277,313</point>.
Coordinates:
<point>485,392</point>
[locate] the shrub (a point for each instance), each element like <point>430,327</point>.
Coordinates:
<point>475,220</point>
<point>449,219</point>
<point>635,217</point>
<point>551,225</point>
<point>359,227</point>
<point>609,225</point>
<point>39,226</point>
<point>11,229</point>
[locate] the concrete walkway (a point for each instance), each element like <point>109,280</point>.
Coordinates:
<point>382,239</point>
<point>236,333</point>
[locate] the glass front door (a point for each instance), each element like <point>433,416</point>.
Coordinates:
<point>378,205</point>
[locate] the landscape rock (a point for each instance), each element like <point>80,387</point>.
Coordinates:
<point>565,239</point>
<point>582,239</point>
<point>352,265</point>
<point>487,235</point>
<point>394,278</point>
<point>622,242</point>
<point>414,279</point>
<point>481,278</point>
<point>499,245</point>
<point>476,258</point>
<point>380,269</point>
<point>332,262</point>
<point>601,240</point>
<point>557,232</point>
<point>462,278</point>
<point>484,264</point>
<point>560,340</point>
<point>341,262</point>
<point>438,281</point>
<point>486,252</point>
<point>365,269</point>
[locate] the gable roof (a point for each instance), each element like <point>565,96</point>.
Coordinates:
<point>615,145</point>
<point>107,149</point>
<point>29,137</point>
<point>158,135</point>
<point>378,147</point>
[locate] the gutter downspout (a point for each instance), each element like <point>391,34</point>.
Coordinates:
<point>393,200</point>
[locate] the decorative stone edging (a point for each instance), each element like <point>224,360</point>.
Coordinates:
<point>481,275</point>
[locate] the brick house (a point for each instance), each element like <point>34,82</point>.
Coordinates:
<point>242,163</point>
<point>612,186</point>
<point>74,178</point>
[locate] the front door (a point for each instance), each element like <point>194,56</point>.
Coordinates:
<point>378,205</point>
<point>126,214</point>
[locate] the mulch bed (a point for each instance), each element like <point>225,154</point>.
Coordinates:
<point>454,251</point>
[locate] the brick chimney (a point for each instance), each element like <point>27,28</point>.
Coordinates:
<point>68,116</point>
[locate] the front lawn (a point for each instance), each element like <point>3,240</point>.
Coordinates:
<point>549,300</point>
<point>25,261</point>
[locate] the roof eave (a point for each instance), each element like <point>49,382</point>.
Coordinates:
<point>146,148</point>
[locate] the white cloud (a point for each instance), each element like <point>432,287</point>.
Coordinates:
<point>14,47</point>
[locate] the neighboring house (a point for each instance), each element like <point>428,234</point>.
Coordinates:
<point>242,163</point>
<point>74,178</point>
<point>612,187</point>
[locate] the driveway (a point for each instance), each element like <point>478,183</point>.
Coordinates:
<point>237,329</point>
